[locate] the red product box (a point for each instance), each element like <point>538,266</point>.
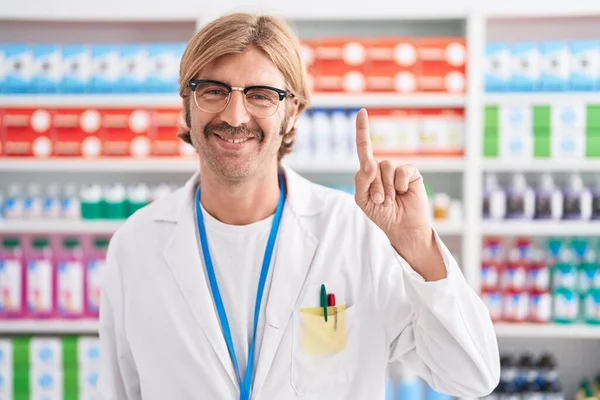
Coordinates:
<point>442,64</point>
<point>394,132</point>
<point>307,52</point>
<point>27,132</point>
<point>167,123</point>
<point>392,65</point>
<point>441,132</point>
<point>341,65</point>
<point>76,133</point>
<point>125,133</point>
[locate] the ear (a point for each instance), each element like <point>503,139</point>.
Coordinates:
<point>292,114</point>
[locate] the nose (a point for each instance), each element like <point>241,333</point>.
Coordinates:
<point>235,114</point>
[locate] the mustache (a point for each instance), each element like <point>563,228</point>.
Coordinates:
<point>224,127</point>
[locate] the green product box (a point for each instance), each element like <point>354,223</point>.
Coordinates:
<point>541,144</point>
<point>491,146</point>
<point>541,117</point>
<point>593,117</point>
<point>91,210</point>
<point>490,117</point>
<point>592,145</point>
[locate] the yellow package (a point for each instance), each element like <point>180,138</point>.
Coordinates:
<point>320,337</point>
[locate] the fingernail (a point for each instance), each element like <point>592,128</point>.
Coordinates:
<point>378,198</point>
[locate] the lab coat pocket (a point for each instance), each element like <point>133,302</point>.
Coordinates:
<point>323,352</point>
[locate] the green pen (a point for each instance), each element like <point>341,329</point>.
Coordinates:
<point>324,300</point>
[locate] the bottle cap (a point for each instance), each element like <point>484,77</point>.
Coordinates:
<point>40,243</point>
<point>71,243</point>
<point>546,182</point>
<point>11,242</point>
<point>101,242</point>
<point>519,182</point>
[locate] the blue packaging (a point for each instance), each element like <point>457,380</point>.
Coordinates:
<point>525,61</point>
<point>134,69</point>
<point>18,69</point>
<point>585,65</point>
<point>163,61</point>
<point>77,69</point>
<point>47,68</point>
<point>555,66</point>
<point>105,68</point>
<point>497,73</point>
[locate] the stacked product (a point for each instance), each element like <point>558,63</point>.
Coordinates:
<point>546,130</point>
<point>519,200</point>
<point>54,276</point>
<point>49,368</point>
<point>553,281</point>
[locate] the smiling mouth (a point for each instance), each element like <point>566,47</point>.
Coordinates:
<point>234,140</point>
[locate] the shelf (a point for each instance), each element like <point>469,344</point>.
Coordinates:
<point>173,100</point>
<point>49,326</point>
<point>59,226</point>
<point>566,331</point>
<point>541,228</point>
<point>190,165</point>
<point>551,165</point>
<point>541,98</point>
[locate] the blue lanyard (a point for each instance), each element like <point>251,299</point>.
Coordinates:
<point>246,384</point>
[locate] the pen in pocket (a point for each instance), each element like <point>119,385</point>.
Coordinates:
<point>331,303</point>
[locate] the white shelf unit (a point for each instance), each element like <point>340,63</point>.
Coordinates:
<point>550,165</point>
<point>541,228</point>
<point>556,331</point>
<point>49,326</point>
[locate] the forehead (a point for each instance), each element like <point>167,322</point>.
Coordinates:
<point>252,67</point>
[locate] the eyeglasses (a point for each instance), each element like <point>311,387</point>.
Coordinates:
<point>213,97</point>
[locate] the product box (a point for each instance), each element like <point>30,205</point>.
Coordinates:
<point>341,65</point>
<point>555,66</point>
<point>45,352</point>
<point>134,69</point>
<point>568,117</point>
<point>568,144</point>
<point>106,68</point>
<point>125,132</point>
<point>47,68</point>
<point>46,383</point>
<point>6,383</point>
<point>442,64</point>
<point>441,132</point>
<point>593,144</point>
<point>163,67</point>
<point>27,132</point>
<point>76,74</point>
<point>394,131</point>
<point>18,69</point>
<point>516,145</point>
<point>70,288</point>
<point>513,117</point>
<point>11,287</point>
<point>75,133</point>
<point>392,65</point>
<point>498,67</point>
<point>88,383</point>
<point>585,65</point>
<point>167,123</point>
<point>307,53</point>
<point>525,60</point>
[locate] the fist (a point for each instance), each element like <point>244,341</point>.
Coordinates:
<point>393,197</point>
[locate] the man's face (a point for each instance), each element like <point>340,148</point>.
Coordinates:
<point>212,133</point>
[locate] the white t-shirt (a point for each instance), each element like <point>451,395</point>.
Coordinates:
<point>237,253</point>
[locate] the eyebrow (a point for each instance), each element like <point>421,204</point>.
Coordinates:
<point>283,87</point>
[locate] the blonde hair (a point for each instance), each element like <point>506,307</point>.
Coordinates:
<point>234,34</point>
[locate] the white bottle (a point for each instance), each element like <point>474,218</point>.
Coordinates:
<point>302,149</point>
<point>340,134</point>
<point>520,201</point>
<point>548,199</point>
<point>322,135</point>
<point>138,196</point>
<point>33,206</point>
<point>70,205</point>
<point>160,191</point>
<point>494,199</point>
<point>578,200</point>
<point>51,207</point>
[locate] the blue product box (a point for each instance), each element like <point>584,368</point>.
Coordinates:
<point>164,60</point>
<point>134,69</point>
<point>47,68</point>
<point>105,68</point>
<point>18,69</point>
<point>77,69</point>
<point>526,75</point>
<point>555,66</point>
<point>497,67</point>
<point>585,65</point>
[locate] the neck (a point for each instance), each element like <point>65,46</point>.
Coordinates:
<point>240,202</point>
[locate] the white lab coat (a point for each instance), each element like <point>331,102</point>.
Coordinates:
<point>161,338</point>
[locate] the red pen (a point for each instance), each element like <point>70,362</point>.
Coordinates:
<point>331,303</point>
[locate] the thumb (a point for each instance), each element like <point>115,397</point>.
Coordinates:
<point>363,180</point>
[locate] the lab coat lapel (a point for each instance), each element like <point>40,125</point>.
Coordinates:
<point>183,256</point>
<point>295,251</point>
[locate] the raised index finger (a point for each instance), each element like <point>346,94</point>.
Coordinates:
<point>363,138</point>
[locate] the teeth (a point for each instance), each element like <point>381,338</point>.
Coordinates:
<point>241,140</point>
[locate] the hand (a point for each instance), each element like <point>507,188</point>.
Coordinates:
<point>394,198</point>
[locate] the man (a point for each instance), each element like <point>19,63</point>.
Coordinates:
<point>252,282</point>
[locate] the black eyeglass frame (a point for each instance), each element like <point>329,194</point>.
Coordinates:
<point>194,83</point>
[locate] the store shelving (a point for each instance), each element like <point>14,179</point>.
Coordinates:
<point>542,165</point>
<point>542,98</point>
<point>558,331</point>
<point>541,228</point>
<point>49,326</point>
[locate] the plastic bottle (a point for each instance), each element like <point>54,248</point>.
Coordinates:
<point>553,391</point>
<point>91,201</point>
<point>341,134</point>
<point>51,208</point>
<point>591,307</point>
<point>40,282</point>
<point>441,206</point>
<point>138,196</point>
<point>578,200</point>
<point>12,279</point>
<point>532,391</point>
<point>508,369</point>
<point>520,199</point>
<point>34,202</point>
<point>494,199</point>
<point>70,205</point>
<point>527,371</point>
<point>303,146</point>
<point>70,279</point>
<point>548,369</point>
<point>548,200</point>
<point>409,385</point>
<point>160,191</point>
<point>114,202</point>
<point>14,202</point>
<point>588,271</point>
<point>94,266</point>
<point>596,199</point>
<point>322,134</point>
<point>564,271</point>
<point>565,306</point>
